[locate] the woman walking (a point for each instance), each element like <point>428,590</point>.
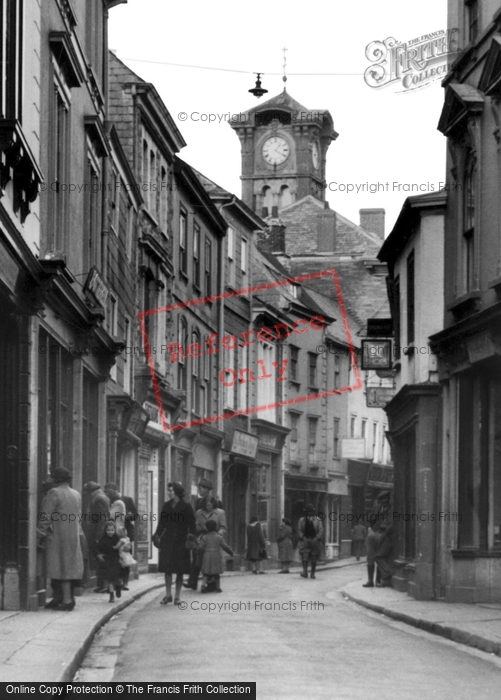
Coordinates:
<point>177,521</point>
<point>285,545</point>
<point>256,545</point>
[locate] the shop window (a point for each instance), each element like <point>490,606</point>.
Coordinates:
<point>479,445</point>
<point>90,418</point>
<point>55,407</point>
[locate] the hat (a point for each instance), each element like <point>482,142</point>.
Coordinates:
<point>111,485</point>
<point>205,484</point>
<point>60,475</point>
<point>309,507</point>
<point>91,486</point>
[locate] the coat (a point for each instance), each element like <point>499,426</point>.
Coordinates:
<point>177,520</point>
<point>373,538</point>
<point>218,515</point>
<point>256,545</point>
<point>130,518</point>
<point>99,514</point>
<point>111,569</point>
<point>310,547</point>
<point>60,533</point>
<point>117,512</point>
<point>211,544</point>
<point>285,546</point>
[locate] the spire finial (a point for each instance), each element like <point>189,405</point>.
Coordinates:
<point>284,78</point>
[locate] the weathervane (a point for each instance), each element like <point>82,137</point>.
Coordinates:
<point>284,78</point>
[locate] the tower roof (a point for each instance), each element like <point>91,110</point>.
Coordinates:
<point>283,101</point>
<point>286,110</point>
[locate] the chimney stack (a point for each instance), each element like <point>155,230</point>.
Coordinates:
<point>372,220</point>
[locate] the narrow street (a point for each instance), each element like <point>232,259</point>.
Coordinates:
<point>315,644</point>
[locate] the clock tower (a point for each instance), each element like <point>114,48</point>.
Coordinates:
<point>284,148</point>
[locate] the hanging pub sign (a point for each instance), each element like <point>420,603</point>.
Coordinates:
<point>97,288</point>
<point>380,327</point>
<point>379,396</point>
<point>376,353</point>
<point>244,444</point>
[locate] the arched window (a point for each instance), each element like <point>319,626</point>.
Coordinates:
<point>285,196</point>
<point>267,199</point>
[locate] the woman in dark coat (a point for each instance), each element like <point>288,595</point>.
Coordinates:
<point>285,545</point>
<point>177,520</point>
<point>256,545</point>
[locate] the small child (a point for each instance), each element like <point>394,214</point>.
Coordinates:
<point>110,558</point>
<point>212,563</point>
<point>124,547</point>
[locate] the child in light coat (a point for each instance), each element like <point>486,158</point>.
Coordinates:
<point>211,545</point>
<point>124,547</point>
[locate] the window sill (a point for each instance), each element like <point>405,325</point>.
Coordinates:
<point>293,382</point>
<point>467,303</point>
<point>476,553</point>
<point>496,285</point>
<point>183,275</point>
<point>197,290</point>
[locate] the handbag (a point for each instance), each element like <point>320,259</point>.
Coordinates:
<point>191,542</point>
<point>263,554</point>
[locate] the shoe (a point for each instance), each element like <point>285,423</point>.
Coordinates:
<point>203,589</point>
<point>312,576</point>
<point>118,592</point>
<point>52,604</point>
<point>176,601</point>
<point>369,584</point>
<point>66,607</point>
<point>254,572</point>
<point>283,572</point>
<point>166,599</point>
<point>218,590</point>
<point>261,572</point>
<point>112,598</point>
<point>304,575</point>
<point>125,588</point>
<point>100,590</point>
<point>190,585</point>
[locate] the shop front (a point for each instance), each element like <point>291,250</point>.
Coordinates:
<point>301,491</point>
<point>265,493</point>
<point>239,463</point>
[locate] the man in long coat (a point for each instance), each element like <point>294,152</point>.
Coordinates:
<point>98,516</point>
<point>310,532</point>
<point>59,531</point>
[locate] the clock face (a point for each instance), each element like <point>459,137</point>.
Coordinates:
<point>275,150</point>
<point>315,156</point>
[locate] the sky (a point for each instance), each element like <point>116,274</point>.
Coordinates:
<point>387,135</point>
